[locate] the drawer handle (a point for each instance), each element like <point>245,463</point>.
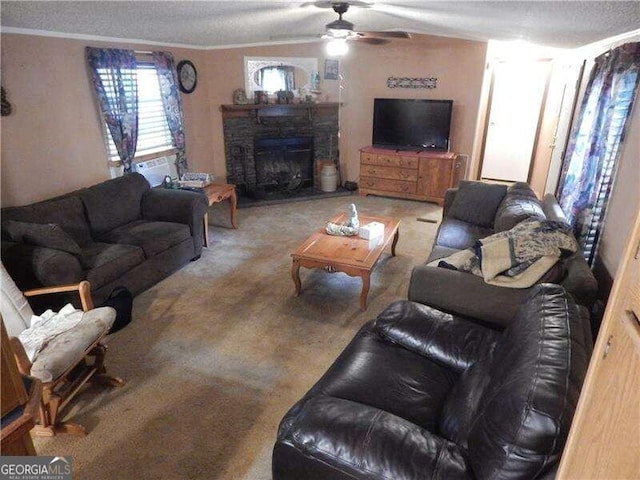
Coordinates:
<point>370,184</point>
<point>372,171</point>
<point>404,188</point>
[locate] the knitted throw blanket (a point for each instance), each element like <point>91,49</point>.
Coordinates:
<point>515,258</point>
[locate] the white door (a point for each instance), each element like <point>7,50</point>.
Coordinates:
<point>516,103</point>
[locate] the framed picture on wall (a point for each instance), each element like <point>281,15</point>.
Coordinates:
<point>331,68</point>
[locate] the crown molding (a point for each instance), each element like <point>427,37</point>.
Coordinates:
<point>98,38</point>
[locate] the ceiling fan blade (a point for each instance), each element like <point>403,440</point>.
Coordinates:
<point>330,3</point>
<point>372,40</point>
<point>300,38</point>
<point>385,34</point>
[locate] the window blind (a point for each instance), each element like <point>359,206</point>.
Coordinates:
<point>153,129</point>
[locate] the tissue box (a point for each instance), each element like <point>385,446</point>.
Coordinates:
<point>372,230</point>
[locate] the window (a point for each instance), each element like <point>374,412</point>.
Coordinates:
<point>153,130</point>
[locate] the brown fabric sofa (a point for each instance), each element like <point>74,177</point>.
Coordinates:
<point>117,233</point>
<point>484,210</point>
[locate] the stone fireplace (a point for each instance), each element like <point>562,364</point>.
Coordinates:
<point>274,147</point>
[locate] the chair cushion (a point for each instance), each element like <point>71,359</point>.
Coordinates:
<point>16,311</point>
<point>105,261</point>
<point>114,203</point>
<point>477,202</point>
<point>67,212</point>
<point>49,235</point>
<point>153,237</point>
<point>68,348</point>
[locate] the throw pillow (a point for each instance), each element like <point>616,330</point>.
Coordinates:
<point>477,202</point>
<point>48,235</point>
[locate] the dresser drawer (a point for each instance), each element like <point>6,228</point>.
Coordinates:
<point>369,158</point>
<point>387,185</point>
<point>394,173</point>
<point>389,160</point>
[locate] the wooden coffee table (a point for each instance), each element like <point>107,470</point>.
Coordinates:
<point>351,255</point>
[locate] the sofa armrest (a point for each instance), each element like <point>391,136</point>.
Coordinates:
<point>579,280</point>
<point>31,266</point>
<point>447,339</point>
<point>178,206</point>
<point>334,438</point>
<point>449,196</point>
<point>465,294</point>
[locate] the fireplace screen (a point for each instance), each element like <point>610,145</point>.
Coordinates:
<point>283,163</point>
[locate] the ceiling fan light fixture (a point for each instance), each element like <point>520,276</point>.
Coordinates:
<point>339,33</point>
<point>337,47</point>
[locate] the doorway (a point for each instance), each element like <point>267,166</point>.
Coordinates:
<point>518,90</point>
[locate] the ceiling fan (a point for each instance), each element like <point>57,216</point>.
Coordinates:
<point>344,30</point>
<point>340,31</point>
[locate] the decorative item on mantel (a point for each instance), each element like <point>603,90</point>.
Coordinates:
<point>284,96</point>
<point>412,82</point>
<point>240,97</point>
<point>261,96</point>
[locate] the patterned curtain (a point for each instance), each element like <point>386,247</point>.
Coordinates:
<point>114,79</point>
<point>588,171</point>
<point>172,102</point>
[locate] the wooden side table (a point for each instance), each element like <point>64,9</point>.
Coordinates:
<point>217,192</point>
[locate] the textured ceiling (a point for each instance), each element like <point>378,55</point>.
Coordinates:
<point>209,24</point>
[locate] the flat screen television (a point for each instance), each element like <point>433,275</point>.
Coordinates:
<point>412,124</point>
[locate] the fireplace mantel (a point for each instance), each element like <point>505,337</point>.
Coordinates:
<point>275,109</point>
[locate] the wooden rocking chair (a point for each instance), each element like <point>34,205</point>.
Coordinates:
<point>68,361</point>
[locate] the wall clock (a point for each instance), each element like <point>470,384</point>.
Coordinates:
<point>187,76</point>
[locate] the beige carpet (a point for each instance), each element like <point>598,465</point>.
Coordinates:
<point>220,350</point>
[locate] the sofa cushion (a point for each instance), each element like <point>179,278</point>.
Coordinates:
<point>105,262</point>
<point>49,235</point>
<point>379,373</point>
<point>458,234</point>
<point>477,202</point>
<point>520,203</point>
<point>153,237</point>
<point>66,212</point>
<point>438,251</point>
<point>114,203</point>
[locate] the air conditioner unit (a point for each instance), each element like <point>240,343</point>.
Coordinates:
<point>156,169</point>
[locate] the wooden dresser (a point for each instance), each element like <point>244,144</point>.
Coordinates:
<point>409,174</point>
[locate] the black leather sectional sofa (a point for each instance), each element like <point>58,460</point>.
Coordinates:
<point>463,379</point>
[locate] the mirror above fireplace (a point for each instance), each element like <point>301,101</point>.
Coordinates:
<point>275,73</point>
